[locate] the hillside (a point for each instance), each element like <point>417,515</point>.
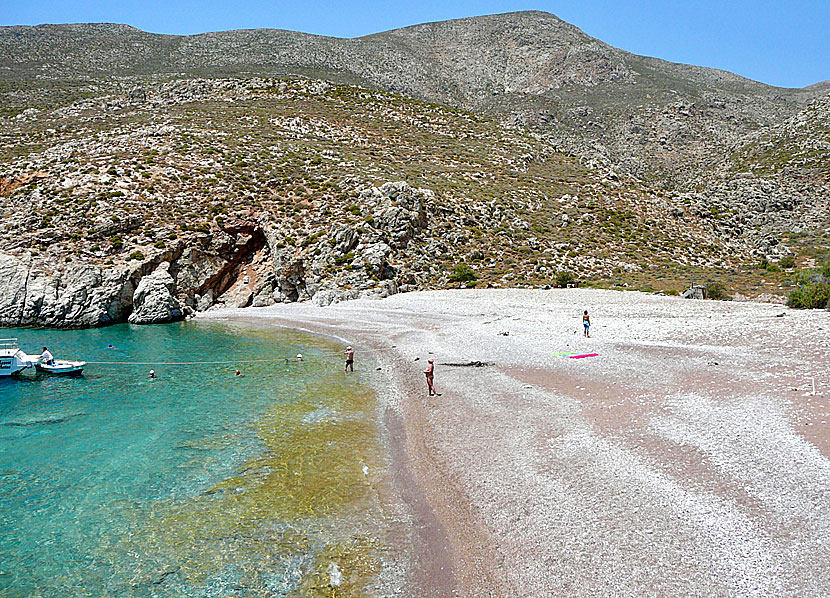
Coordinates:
<point>133,187</point>
<point>264,190</point>
<point>646,115</point>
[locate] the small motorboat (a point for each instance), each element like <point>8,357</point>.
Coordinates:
<point>62,367</point>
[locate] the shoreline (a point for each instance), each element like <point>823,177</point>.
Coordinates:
<point>666,462</point>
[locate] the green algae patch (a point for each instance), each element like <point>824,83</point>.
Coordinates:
<point>305,504</point>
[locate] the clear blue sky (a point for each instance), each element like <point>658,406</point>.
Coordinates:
<point>785,43</point>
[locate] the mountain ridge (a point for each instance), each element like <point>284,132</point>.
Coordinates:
<point>529,68</point>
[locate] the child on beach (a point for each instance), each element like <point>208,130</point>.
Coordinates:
<point>586,323</point>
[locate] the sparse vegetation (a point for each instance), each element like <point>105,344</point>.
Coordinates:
<point>564,279</point>
<point>463,273</point>
<point>813,290</point>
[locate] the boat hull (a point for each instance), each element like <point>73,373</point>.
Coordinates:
<point>62,368</point>
<point>9,367</point>
<point>12,359</point>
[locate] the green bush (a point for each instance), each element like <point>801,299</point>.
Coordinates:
<point>564,278</point>
<point>344,258</point>
<point>810,296</point>
<point>813,290</point>
<point>715,290</point>
<point>463,273</point>
<point>136,255</point>
<point>787,262</point>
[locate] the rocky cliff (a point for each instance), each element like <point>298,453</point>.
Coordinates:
<point>242,264</point>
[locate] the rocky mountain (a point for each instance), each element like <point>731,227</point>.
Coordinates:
<point>145,177</point>
<point>645,114</point>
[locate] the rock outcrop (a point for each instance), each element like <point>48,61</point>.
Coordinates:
<point>154,301</point>
<point>245,263</point>
<point>72,296</point>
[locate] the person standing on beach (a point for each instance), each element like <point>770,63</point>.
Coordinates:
<point>430,374</point>
<point>586,323</point>
<point>349,359</point>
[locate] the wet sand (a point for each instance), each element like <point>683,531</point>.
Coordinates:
<point>689,457</point>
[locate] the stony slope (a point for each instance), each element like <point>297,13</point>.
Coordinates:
<point>646,115</point>
<point>240,192</point>
<point>775,185</point>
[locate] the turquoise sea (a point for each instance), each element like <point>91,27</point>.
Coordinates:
<point>197,483</point>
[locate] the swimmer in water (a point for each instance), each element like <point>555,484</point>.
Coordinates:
<point>152,374</point>
<point>237,373</point>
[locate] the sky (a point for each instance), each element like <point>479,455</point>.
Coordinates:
<point>783,43</point>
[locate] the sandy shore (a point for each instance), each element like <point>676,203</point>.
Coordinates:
<point>689,457</point>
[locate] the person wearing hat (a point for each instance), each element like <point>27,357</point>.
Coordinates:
<point>152,374</point>
<point>299,357</point>
<point>349,359</point>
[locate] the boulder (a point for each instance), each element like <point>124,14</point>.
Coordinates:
<point>14,275</point>
<point>345,239</point>
<point>374,258</point>
<point>137,94</point>
<point>401,210</point>
<point>290,279</point>
<point>327,297</point>
<point>154,300</point>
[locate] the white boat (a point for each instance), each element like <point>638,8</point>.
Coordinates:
<point>12,359</point>
<point>61,367</point>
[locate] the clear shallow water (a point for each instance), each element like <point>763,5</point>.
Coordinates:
<point>197,483</point>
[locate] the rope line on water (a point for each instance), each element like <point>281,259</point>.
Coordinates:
<point>190,362</point>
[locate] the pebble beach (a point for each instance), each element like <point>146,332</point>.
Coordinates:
<point>689,456</point>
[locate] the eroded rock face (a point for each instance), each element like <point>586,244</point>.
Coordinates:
<point>245,263</point>
<point>154,301</point>
<point>70,297</point>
